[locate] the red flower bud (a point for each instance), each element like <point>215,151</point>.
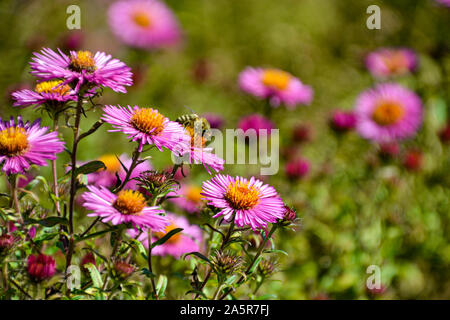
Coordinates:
<point>41,267</point>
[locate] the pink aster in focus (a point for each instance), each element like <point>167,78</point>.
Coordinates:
<point>386,62</point>
<point>147,24</point>
<point>188,240</point>
<point>388,112</point>
<point>107,177</point>
<point>250,202</point>
<point>147,126</point>
<point>200,153</point>
<point>40,267</point>
<point>82,67</point>
<point>128,206</point>
<point>280,87</point>
<point>24,144</point>
<point>189,198</point>
<point>46,92</point>
<point>257,122</point>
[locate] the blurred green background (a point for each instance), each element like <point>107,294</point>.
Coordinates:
<point>355,210</point>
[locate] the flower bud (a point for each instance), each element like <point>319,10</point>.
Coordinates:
<point>226,263</point>
<point>413,160</point>
<point>6,243</point>
<point>297,168</point>
<point>267,267</point>
<point>389,150</point>
<point>342,121</point>
<point>302,133</point>
<point>123,269</point>
<point>444,134</point>
<point>41,267</point>
<point>88,258</point>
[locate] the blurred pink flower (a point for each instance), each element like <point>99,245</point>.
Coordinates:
<point>190,198</point>
<point>391,61</point>
<point>280,87</point>
<point>342,121</point>
<point>41,267</point>
<point>147,24</point>
<point>256,122</point>
<point>297,168</point>
<point>388,112</point>
<point>188,240</point>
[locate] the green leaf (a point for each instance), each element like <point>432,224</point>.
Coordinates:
<point>255,265</point>
<point>140,248</point>
<point>90,167</point>
<point>161,285</point>
<point>197,292</point>
<point>276,251</point>
<point>166,237</point>
<point>197,254</point>
<point>267,297</point>
<point>147,273</point>
<point>95,275</point>
<point>48,222</point>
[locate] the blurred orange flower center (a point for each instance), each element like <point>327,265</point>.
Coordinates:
<point>276,79</point>
<point>82,60</point>
<point>52,87</point>
<point>396,62</point>
<point>111,162</point>
<point>142,19</point>
<point>388,112</point>
<point>148,121</point>
<point>13,141</point>
<point>173,239</point>
<point>129,202</point>
<point>193,194</point>
<point>241,196</point>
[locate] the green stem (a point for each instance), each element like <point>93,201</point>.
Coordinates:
<point>149,256</point>
<point>55,173</point>
<point>258,253</point>
<point>133,165</point>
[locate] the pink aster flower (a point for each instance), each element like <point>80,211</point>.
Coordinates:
<point>200,153</point>
<point>128,206</point>
<point>189,198</point>
<point>257,122</point>
<point>83,67</point>
<point>107,177</point>
<point>147,24</point>
<point>24,144</point>
<point>188,240</point>
<point>46,92</point>
<point>250,202</point>
<point>391,61</point>
<point>147,126</point>
<point>276,85</point>
<point>41,267</point>
<point>388,112</point>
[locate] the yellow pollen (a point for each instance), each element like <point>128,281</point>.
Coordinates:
<point>129,202</point>
<point>396,62</point>
<point>52,87</point>
<point>193,194</point>
<point>83,60</point>
<point>13,141</point>
<point>111,162</point>
<point>241,196</point>
<point>276,79</point>
<point>388,112</point>
<point>148,121</point>
<point>142,19</point>
<point>197,140</point>
<point>173,239</point>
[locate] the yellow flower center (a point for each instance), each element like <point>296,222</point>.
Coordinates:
<point>193,194</point>
<point>241,196</point>
<point>52,87</point>
<point>111,162</point>
<point>142,19</point>
<point>82,60</point>
<point>129,202</point>
<point>197,139</point>
<point>13,141</point>
<point>276,79</point>
<point>388,112</point>
<point>396,62</point>
<point>173,239</point>
<point>148,121</point>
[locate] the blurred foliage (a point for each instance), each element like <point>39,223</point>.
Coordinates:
<point>355,210</point>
